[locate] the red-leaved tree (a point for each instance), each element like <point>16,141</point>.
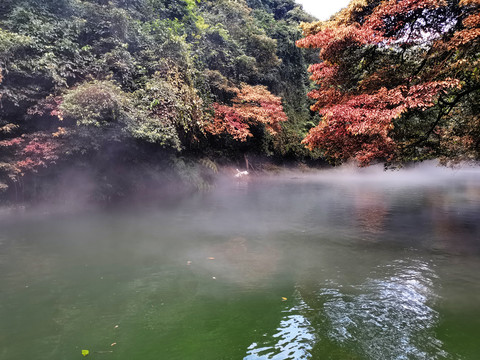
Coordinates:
<point>32,152</point>
<point>387,82</point>
<point>252,105</point>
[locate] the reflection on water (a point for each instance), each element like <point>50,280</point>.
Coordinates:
<point>294,338</point>
<point>373,268</point>
<point>371,209</point>
<point>389,316</point>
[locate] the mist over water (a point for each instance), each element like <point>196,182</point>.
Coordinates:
<point>338,264</point>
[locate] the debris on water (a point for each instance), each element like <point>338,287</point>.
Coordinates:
<point>85,352</point>
<point>113,344</point>
<point>284,298</point>
<point>211,258</point>
<point>116,326</point>
<point>214,278</point>
<point>189,262</point>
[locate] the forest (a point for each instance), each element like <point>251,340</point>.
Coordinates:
<point>237,179</point>
<point>126,90</point>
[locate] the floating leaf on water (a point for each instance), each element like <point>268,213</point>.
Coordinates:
<point>113,344</point>
<point>284,298</point>
<point>85,352</point>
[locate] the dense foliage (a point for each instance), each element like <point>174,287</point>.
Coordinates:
<point>125,88</point>
<point>106,85</point>
<point>398,81</point>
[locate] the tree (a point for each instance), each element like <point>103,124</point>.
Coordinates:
<point>252,105</point>
<point>390,77</point>
<point>103,84</point>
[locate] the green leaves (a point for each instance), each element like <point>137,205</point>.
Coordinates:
<point>167,111</point>
<point>11,42</point>
<point>95,103</point>
<point>85,74</point>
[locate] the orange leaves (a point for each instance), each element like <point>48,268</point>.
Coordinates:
<point>359,126</point>
<point>39,151</point>
<point>469,2</point>
<point>336,39</point>
<point>228,121</point>
<point>470,33</point>
<point>11,142</point>
<point>48,106</point>
<point>383,63</point>
<point>394,8</point>
<point>324,73</point>
<point>252,105</point>
<point>61,131</point>
<point>33,152</point>
<point>343,32</point>
<point>472,21</point>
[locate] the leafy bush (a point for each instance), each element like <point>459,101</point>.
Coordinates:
<point>95,103</point>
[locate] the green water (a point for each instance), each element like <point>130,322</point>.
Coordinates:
<point>332,266</point>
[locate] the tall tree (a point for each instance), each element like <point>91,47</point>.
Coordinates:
<point>392,78</point>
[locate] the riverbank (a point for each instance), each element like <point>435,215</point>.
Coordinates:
<point>77,190</point>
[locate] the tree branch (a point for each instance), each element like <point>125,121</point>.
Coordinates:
<point>442,113</point>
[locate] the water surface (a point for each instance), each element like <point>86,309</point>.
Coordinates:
<point>335,265</point>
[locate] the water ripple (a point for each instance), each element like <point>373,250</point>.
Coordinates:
<point>294,338</point>
<point>390,317</point>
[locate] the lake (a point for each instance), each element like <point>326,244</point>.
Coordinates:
<point>338,264</point>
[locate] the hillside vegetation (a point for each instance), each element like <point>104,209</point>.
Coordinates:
<point>125,86</point>
<point>126,90</point>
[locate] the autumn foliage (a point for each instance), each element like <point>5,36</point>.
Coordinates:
<point>252,105</point>
<point>390,74</point>
<point>32,152</point>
